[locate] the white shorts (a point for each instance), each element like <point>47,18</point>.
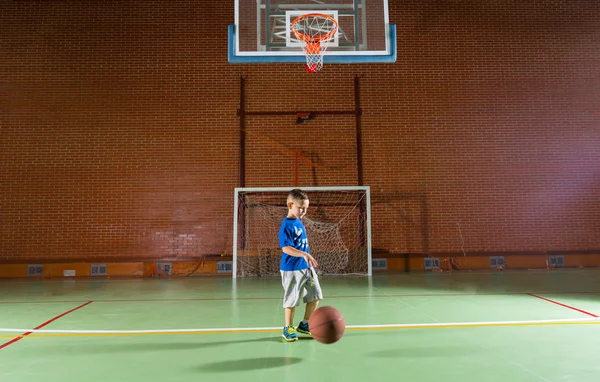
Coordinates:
<point>303,283</point>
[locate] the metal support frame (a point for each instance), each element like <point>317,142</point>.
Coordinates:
<point>356,112</point>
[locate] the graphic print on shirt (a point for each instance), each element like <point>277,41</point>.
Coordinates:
<point>301,242</point>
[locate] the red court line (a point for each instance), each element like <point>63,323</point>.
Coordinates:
<point>42,325</point>
<point>563,305</point>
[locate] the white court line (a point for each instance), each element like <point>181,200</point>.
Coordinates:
<point>348,327</point>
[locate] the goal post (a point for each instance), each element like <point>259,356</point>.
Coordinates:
<point>338,224</point>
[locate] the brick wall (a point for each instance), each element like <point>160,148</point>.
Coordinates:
<point>119,135</point>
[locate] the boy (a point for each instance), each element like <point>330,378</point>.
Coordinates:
<point>298,277</point>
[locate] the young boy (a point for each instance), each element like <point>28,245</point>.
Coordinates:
<point>299,279</point>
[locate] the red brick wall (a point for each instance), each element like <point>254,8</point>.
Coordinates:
<point>119,135</point>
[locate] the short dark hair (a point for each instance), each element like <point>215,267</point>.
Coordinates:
<point>297,194</point>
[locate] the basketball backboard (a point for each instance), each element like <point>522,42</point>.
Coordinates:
<point>262,31</point>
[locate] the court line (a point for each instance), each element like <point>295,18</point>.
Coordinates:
<point>455,325</point>
<point>279,298</point>
<point>563,305</point>
<point>31,331</point>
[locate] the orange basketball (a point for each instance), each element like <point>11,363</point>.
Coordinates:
<point>327,325</point>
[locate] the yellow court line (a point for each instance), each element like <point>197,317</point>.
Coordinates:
<point>366,328</point>
<point>136,334</point>
<point>479,325</point>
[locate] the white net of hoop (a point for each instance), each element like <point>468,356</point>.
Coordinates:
<point>314,31</point>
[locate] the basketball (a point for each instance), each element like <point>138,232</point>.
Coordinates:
<point>327,325</point>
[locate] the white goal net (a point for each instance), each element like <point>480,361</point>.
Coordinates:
<point>337,224</point>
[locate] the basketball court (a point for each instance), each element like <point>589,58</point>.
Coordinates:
<point>198,301</point>
<point>487,326</point>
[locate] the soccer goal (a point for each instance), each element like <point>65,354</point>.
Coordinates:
<point>338,225</point>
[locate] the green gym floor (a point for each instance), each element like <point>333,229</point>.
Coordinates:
<point>469,326</point>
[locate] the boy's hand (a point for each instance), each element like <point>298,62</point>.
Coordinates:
<point>311,260</point>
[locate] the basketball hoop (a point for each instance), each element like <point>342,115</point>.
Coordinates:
<point>315,30</point>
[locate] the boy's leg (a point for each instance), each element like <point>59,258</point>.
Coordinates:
<point>289,333</point>
<point>291,297</point>
<point>303,326</point>
<point>312,296</point>
<point>310,308</point>
<point>289,316</point>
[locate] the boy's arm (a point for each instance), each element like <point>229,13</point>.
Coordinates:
<point>291,251</point>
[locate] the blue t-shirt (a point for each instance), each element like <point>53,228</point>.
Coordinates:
<point>293,234</point>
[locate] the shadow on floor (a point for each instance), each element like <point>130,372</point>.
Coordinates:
<point>249,364</point>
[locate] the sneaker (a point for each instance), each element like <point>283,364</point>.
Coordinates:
<point>289,334</point>
<point>303,328</point>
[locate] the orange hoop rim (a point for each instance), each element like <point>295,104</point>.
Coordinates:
<point>314,39</point>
